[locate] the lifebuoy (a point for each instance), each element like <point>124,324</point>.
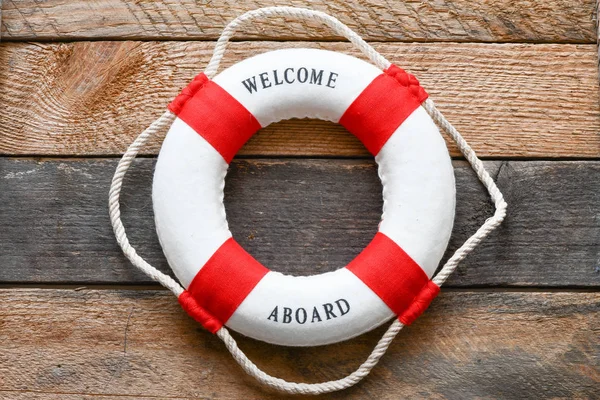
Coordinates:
<point>227,286</point>
<point>390,113</point>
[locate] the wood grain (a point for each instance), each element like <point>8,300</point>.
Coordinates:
<point>451,20</point>
<point>299,217</point>
<point>519,319</point>
<point>92,98</point>
<point>140,343</point>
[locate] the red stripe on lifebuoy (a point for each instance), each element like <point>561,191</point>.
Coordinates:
<point>395,277</point>
<point>215,115</point>
<point>222,284</point>
<point>382,107</point>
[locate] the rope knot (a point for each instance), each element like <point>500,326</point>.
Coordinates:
<point>188,92</point>
<point>420,303</point>
<point>189,304</point>
<point>407,80</point>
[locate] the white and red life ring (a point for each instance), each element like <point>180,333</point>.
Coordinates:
<point>227,286</point>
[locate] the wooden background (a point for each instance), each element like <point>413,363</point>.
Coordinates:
<point>78,80</point>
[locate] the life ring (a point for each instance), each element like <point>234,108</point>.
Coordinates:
<point>227,286</point>
<point>210,120</point>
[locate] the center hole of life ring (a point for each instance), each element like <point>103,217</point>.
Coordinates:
<point>303,216</point>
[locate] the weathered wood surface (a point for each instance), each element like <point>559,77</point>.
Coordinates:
<point>298,217</point>
<point>92,98</point>
<point>597,22</point>
<point>451,20</point>
<point>140,343</point>
<point>525,333</point>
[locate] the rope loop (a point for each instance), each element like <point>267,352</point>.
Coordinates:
<point>291,12</point>
<point>165,120</point>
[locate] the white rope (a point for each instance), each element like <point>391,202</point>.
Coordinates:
<point>114,207</point>
<point>167,118</point>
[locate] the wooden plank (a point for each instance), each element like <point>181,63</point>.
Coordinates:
<point>29,395</point>
<point>299,217</point>
<point>92,98</point>
<point>597,21</point>
<point>140,343</point>
<point>450,20</point>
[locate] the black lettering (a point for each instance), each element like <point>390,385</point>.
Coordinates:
<point>264,78</point>
<point>287,315</point>
<point>277,81</point>
<point>332,77</point>
<point>250,84</point>
<point>300,79</point>
<point>285,75</point>
<point>316,78</point>
<point>301,316</point>
<point>273,314</point>
<point>329,310</point>
<point>347,306</point>
<point>315,316</point>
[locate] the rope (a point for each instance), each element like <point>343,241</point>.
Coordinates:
<point>293,12</point>
<point>114,206</point>
<point>166,120</point>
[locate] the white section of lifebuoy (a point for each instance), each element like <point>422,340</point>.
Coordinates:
<point>418,190</point>
<point>187,196</point>
<point>332,81</point>
<point>309,295</point>
<point>419,200</point>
